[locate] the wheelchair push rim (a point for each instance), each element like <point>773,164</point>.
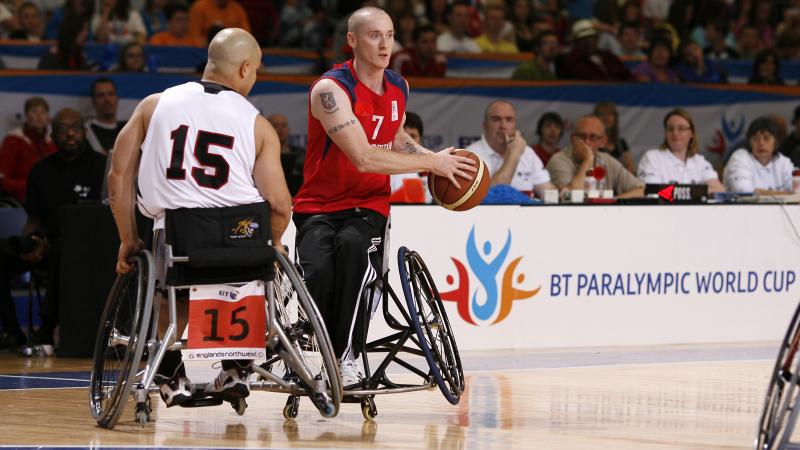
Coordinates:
<point>306,330</point>
<point>429,320</point>
<point>120,341</point>
<point>775,425</point>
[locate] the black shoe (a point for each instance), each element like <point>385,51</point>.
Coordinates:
<point>12,342</point>
<point>42,336</point>
<point>176,391</point>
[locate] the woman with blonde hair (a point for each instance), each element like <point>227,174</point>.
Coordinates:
<point>678,160</point>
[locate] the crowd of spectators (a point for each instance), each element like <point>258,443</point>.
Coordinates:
<point>674,41</point>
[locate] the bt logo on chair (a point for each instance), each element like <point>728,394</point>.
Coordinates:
<point>489,302</point>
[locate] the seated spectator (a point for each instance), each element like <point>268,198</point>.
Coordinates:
<point>131,59</point>
<point>455,39</point>
<point>205,14</point>
<point>788,44</point>
<point>421,60</point>
<point>117,23</point>
<point>411,187</point>
<point>760,168</point>
<point>71,174</point>
<point>300,27</point>
<point>607,26</point>
<point>154,16</point>
<point>77,8</point>
<point>68,53</point>
<point>716,33</point>
<point>436,15</point>
<point>748,44</point>
<point>292,157</point>
<point>678,160</point>
<point>630,41</point>
<point>31,24</point>
<point>697,68</point>
<point>550,129</point>
<point>616,145</point>
<point>103,129</point>
<point>587,62</point>
<point>760,16</point>
<point>570,167</point>
<point>791,145</point>
<point>177,32</point>
<point>405,24</point>
<point>24,146</point>
<point>547,51</point>
<point>657,68</point>
<point>766,68</point>
<point>509,158</point>
<point>521,21</point>
<point>495,39</point>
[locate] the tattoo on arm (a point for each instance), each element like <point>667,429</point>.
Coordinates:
<point>411,148</point>
<point>328,102</point>
<point>336,128</point>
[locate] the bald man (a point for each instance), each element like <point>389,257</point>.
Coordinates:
<point>355,141</point>
<point>569,167</point>
<point>199,145</point>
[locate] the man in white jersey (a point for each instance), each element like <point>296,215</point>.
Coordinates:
<point>199,145</point>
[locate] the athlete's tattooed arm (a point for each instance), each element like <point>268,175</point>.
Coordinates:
<point>339,127</point>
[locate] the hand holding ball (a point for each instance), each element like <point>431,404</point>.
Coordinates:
<point>472,191</point>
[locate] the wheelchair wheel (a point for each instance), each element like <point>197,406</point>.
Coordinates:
<point>780,407</point>
<point>299,317</point>
<point>430,322</point>
<point>121,340</point>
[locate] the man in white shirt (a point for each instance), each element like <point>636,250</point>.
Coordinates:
<point>760,168</point>
<point>455,40</point>
<point>509,158</point>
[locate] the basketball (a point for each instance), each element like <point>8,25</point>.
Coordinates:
<point>471,192</point>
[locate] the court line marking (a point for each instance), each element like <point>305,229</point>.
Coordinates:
<point>45,378</point>
<point>528,369</point>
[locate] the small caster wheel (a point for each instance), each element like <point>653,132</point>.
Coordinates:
<point>143,412</point>
<point>292,407</point>
<point>239,406</point>
<point>368,409</point>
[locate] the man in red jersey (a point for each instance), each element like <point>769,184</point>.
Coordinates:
<point>355,141</point>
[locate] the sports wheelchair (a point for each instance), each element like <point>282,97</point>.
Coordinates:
<point>420,328</point>
<point>779,415</point>
<point>198,249</point>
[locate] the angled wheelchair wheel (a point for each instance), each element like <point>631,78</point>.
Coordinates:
<point>300,320</point>
<point>780,406</point>
<point>121,340</point>
<point>429,320</point>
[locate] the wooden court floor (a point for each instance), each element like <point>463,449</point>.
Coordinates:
<point>679,397</point>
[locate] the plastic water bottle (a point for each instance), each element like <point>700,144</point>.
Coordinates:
<point>38,350</point>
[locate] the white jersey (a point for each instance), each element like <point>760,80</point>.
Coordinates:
<point>662,167</point>
<point>199,151</point>
<point>744,173</point>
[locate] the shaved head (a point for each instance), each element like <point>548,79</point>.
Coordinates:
<point>230,48</point>
<point>68,115</point>
<point>364,15</point>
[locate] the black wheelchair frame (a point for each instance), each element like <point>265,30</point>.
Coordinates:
<point>423,322</point>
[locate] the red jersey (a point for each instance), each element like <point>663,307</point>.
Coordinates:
<point>331,181</point>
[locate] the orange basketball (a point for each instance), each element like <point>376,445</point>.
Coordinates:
<point>472,191</point>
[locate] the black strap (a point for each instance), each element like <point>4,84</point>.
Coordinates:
<point>213,88</point>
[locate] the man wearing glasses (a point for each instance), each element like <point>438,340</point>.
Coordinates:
<point>570,167</point>
<point>71,175</point>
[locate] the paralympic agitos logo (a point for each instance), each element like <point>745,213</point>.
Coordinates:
<point>480,304</point>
